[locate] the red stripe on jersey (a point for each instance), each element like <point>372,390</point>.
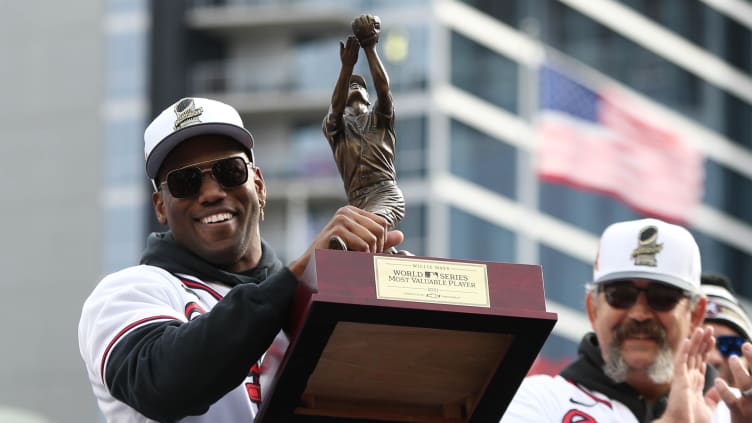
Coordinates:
<point>123,332</point>
<point>254,392</point>
<point>201,286</point>
<point>192,307</point>
<point>578,416</point>
<point>600,400</point>
<point>254,386</point>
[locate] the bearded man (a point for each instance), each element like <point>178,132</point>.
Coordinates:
<point>645,360</point>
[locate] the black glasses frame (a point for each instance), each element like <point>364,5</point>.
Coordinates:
<point>186,182</point>
<point>624,294</point>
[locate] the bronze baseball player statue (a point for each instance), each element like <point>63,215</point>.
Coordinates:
<point>362,138</point>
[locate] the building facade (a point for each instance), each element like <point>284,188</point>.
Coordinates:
<point>51,159</point>
<point>464,77</point>
<point>84,78</point>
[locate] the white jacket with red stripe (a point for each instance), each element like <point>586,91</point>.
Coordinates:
<point>547,399</point>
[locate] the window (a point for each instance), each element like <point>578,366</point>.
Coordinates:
<point>623,60</point>
<point>410,158</point>
<point>728,191</point>
<point>719,257</point>
<point>414,228</point>
<point>472,238</point>
<point>505,11</point>
<point>564,277</point>
<point>405,52</point>
<point>310,154</point>
<point>585,209</point>
<point>483,73</point>
<point>482,159</point>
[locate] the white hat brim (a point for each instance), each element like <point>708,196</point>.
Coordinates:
<point>651,276</point>
<point>160,152</point>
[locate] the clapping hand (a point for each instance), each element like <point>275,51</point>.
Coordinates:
<point>739,405</point>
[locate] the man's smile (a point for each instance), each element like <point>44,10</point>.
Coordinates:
<point>216,218</point>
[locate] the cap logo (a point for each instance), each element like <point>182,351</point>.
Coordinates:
<point>712,308</point>
<point>187,113</point>
<point>644,254</point>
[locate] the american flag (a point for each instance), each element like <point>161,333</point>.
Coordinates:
<point>597,139</point>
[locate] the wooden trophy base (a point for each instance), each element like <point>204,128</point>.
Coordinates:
<point>440,354</point>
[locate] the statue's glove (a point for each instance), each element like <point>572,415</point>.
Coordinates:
<point>367,29</point>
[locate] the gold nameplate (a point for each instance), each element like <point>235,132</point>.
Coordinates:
<point>431,281</point>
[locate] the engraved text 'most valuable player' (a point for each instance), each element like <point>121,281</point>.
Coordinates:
<point>362,138</point>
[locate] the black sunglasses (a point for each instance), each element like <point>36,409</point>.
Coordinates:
<point>729,345</point>
<point>186,182</point>
<point>623,294</point>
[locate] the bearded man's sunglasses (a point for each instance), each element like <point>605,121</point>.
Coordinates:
<point>623,294</point>
<point>729,345</point>
<point>186,182</point>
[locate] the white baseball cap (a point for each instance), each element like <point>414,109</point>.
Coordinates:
<point>648,249</point>
<point>188,118</point>
<point>723,307</point>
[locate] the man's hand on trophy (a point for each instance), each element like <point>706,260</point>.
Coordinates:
<point>367,28</point>
<point>348,51</point>
<point>358,230</point>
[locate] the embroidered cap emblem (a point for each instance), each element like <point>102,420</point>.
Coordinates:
<point>713,308</point>
<point>187,113</point>
<point>644,254</point>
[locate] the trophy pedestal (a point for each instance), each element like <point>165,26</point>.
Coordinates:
<point>384,338</point>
